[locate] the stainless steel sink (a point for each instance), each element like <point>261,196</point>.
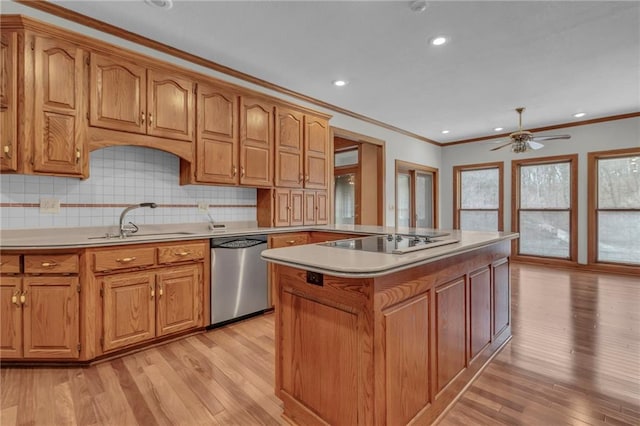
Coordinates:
<point>142,234</point>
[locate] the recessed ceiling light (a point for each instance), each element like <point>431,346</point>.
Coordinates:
<point>339,83</point>
<point>438,41</point>
<point>418,6</point>
<point>497,129</point>
<point>444,132</point>
<point>160,4</point>
<point>579,114</point>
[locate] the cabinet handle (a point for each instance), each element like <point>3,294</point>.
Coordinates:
<point>150,118</point>
<point>182,253</point>
<point>126,259</point>
<point>7,150</point>
<point>153,292</point>
<point>160,292</point>
<point>23,298</point>
<point>291,242</point>
<point>306,178</point>
<point>14,298</point>
<point>1,263</point>
<point>235,171</point>
<point>300,177</point>
<point>143,117</point>
<point>49,264</point>
<point>77,155</point>
<point>242,171</point>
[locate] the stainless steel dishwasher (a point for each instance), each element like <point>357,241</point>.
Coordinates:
<point>238,278</point>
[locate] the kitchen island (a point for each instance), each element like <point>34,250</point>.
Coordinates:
<point>372,338</point>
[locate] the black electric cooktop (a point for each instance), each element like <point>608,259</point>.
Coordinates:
<point>394,243</point>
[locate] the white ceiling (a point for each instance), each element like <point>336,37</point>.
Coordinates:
<point>553,57</point>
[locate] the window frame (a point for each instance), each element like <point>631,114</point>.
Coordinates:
<point>457,191</point>
<point>572,159</point>
<point>592,208</point>
<point>405,167</point>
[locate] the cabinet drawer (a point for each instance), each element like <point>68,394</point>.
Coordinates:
<point>51,263</point>
<point>287,240</point>
<point>123,258</point>
<point>10,264</point>
<point>181,252</point>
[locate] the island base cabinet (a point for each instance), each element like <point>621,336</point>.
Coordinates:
<point>393,349</point>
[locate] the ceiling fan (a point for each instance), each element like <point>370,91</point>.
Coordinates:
<point>523,140</point>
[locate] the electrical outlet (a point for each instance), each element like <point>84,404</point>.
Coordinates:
<point>49,205</point>
<point>203,207</point>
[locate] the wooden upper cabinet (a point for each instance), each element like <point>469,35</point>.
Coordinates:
<point>217,136</point>
<point>131,98</point>
<point>8,101</point>
<point>289,146</point>
<point>316,145</point>
<point>118,98</point>
<point>170,112</point>
<point>256,142</point>
<point>59,129</point>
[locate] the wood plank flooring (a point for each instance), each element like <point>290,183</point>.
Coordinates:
<point>574,359</point>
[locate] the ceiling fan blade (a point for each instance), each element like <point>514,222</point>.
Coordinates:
<point>501,146</point>
<point>535,145</point>
<point>550,137</point>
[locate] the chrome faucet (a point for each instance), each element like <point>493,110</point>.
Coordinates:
<point>130,228</point>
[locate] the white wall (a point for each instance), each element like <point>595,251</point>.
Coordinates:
<point>593,137</point>
<point>397,146</point>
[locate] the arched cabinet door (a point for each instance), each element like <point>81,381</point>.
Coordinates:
<point>58,127</point>
<point>8,101</point>
<point>316,142</point>
<point>170,106</point>
<point>289,146</point>
<point>256,142</point>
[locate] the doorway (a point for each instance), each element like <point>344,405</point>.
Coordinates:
<point>416,195</point>
<point>358,179</point>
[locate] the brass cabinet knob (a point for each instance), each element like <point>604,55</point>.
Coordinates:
<point>126,259</point>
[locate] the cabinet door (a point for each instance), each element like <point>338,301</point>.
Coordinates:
<point>316,143</point>
<point>217,136</point>
<point>282,207</point>
<point>322,208</point>
<point>128,309</point>
<point>296,204</point>
<point>58,93</point>
<point>170,112</point>
<point>117,94</point>
<point>10,317</point>
<point>51,317</point>
<point>256,142</point>
<point>309,208</point>
<point>178,299</point>
<point>8,101</point>
<point>288,148</point>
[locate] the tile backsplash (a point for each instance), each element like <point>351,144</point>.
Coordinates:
<point>118,176</point>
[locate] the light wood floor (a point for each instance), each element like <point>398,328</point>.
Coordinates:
<point>574,359</point>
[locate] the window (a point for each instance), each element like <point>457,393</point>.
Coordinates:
<point>346,178</point>
<point>416,195</point>
<point>614,207</point>
<point>544,204</point>
<point>477,191</point>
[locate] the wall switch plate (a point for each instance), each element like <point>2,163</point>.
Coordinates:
<point>49,205</point>
<point>203,207</point>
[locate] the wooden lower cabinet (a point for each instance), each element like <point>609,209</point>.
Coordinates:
<point>40,317</point>
<point>179,301</point>
<point>128,309</point>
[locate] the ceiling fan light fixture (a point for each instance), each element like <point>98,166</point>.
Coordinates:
<point>579,114</point>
